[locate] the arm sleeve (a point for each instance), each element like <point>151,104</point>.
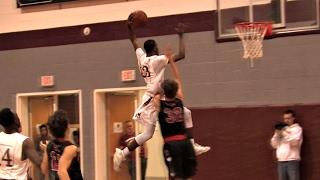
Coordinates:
<point>187,118</point>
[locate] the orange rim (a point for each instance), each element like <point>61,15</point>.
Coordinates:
<point>267,25</point>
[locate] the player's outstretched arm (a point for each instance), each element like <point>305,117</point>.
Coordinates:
<point>132,35</point>
<point>30,152</point>
<point>176,74</point>
<point>69,153</point>
<point>181,54</point>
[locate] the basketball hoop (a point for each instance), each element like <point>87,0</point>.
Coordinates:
<point>252,35</point>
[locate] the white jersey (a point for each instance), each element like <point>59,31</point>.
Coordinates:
<point>152,70</point>
<point>11,165</point>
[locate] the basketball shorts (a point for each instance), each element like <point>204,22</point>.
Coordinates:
<point>180,158</point>
<point>146,112</point>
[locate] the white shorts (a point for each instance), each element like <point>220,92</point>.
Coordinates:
<point>145,112</point>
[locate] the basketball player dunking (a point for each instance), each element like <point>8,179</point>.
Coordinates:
<point>15,148</point>
<point>152,67</point>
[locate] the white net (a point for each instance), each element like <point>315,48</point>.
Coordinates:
<point>252,35</point>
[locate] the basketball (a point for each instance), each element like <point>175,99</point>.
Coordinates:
<point>138,18</point>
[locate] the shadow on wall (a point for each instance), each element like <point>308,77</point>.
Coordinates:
<point>310,149</point>
<point>240,137</point>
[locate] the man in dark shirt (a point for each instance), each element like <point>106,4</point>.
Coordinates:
<point>61,157</point>
<point>178,151</point>
<point>123,142</point>
<point>44,138</point>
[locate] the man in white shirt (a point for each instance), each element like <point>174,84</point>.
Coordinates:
<point>152,66</point>
<point>15,148</point>
<point>287,141</point>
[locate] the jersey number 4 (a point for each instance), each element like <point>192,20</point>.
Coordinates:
<point>6,157</point>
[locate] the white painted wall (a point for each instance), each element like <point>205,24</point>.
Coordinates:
<point>15,19</point>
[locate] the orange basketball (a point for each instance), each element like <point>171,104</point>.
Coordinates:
<point>138,18</point>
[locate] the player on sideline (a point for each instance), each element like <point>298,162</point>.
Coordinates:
<point>178,152</point>
<point>152,67</point>
<point>15,148</point>
<point>61,157</point>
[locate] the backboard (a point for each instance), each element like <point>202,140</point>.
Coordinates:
<point>287,16</point>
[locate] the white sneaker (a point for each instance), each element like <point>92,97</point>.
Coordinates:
<point>200,149</point>
<point>118,157</point>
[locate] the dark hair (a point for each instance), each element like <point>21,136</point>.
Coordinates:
<point>58,124</point>
<point>7,118</point>
<point>289,111</point>
<point>42,126</point>
<point>170,88</point>
<point>149,45</point>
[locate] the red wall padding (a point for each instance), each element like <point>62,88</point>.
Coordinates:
<point>239,138</point>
